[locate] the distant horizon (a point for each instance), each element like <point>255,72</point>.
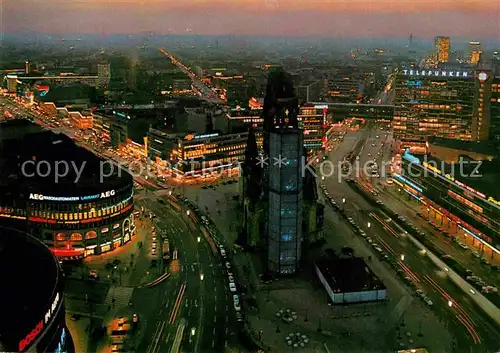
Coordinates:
<point>474,19</point>
<point>267,36</point>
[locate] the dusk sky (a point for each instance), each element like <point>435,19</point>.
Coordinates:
<point>345,18</point>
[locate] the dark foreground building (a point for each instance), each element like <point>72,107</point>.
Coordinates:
<point>31,300</point>
<point>84,212</point>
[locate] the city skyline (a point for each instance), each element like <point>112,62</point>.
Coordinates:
<point>338,18</point>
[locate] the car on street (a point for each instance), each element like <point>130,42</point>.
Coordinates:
<point>236,301</point>
<point>93,275</point>
<point>239,317</point>
<point>232,287</point>
<point>228,266</point>
<point>420,293</point>
<point>428,301</point>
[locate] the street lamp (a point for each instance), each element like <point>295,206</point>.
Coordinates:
<point>199,239</point>
<point>402,257</point>
<point>322,178</point>
<point>343,200</point>
<point>188,213</point>
<point>369,225</point>
<point>450,303</point>
<point>202,276</point>
<point>170,192</point>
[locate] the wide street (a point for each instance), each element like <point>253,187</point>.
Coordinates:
<point>205,302</point>
<point>471,328</point>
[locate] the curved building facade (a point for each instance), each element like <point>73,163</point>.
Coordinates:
<point>31,299</point>
<point>85,212</point>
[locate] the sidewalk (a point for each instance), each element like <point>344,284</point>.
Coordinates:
<point>222,209</point>
<point>123,269</point>
<point>124,258</point>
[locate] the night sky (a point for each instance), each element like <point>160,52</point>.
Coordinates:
<point>337,18</point>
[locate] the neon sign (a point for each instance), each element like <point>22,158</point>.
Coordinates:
<point>52,309</point>
<point>62,342</point>
<point>492,200</point>
<point>410,83</point>
<point>30,337</point>
<point>435,73</point>
<point>482,76</point>
<point>206,136</point>
<point>410,158</point>
<point>102,195</point>
<point>437,171</point>
<point>407,182</point>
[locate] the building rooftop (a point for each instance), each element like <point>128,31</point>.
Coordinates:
<point>23,144</point>
<point>491,148</point>
<point>484,179</point>
<point>30,279</point>
<point>347,274</point>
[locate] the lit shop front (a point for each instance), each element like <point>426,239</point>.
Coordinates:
<point>77,226</point>
<point>452,205</point>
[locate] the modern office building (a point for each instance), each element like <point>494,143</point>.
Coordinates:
<point>461,198</point>
<point>193,155</point>
<point>62,194</point>
<point>310,92</point>
<point>433,103</point>
<point>486,122</point>
<point>32,298</point>
<point>475,52</point>
<point>314,121</point>
<point>111,129</point>
<point>345,86</point>
<point>103,75</point>
<point>442,46</point>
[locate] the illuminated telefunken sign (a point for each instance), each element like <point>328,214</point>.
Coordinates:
<point>102,195</point>
<point>436,73</point>
<point>30,337</point>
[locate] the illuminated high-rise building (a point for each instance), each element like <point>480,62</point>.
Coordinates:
<point>433,103</point>
<point>486,122</point>
<point>475,53</point>
<point>103,75</point>
<point>442,47</point>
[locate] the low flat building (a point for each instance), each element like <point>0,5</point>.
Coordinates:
<point>462,199</point>
<point>111,129</point>
<point>48,108</point>
<point>450,150</point>
<point>348,279</point>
